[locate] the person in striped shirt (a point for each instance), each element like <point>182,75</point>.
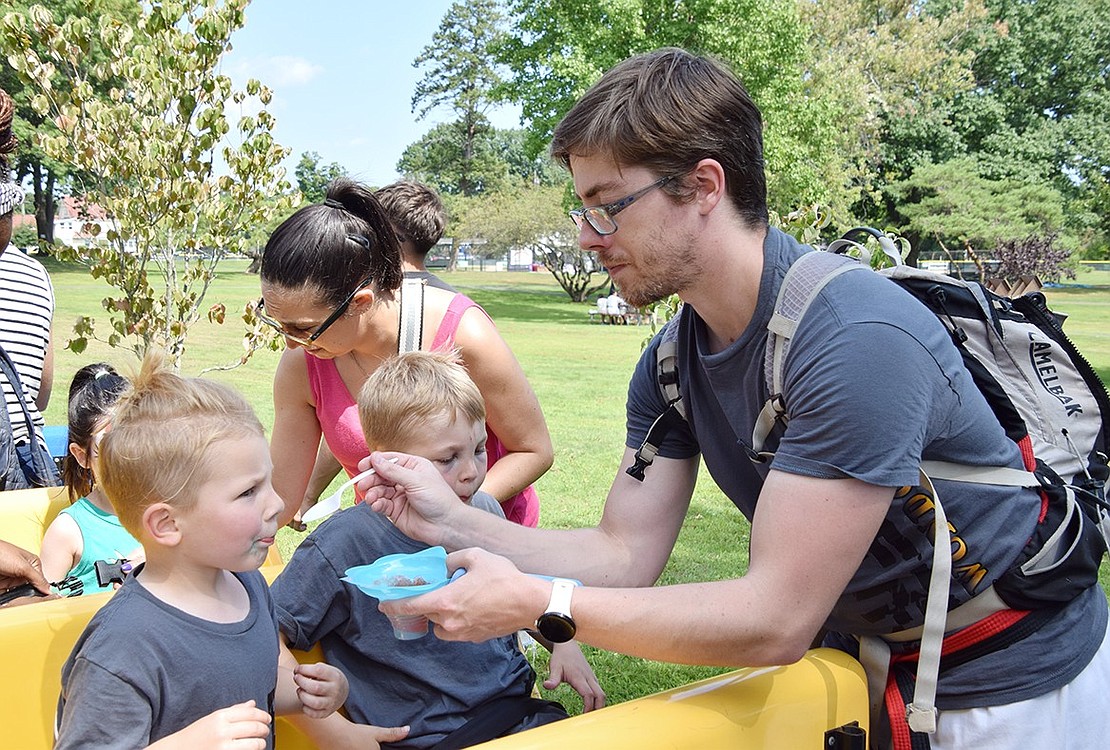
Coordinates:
<point>26,304</point>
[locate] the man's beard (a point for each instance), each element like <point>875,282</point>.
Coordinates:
<point>673,268</point>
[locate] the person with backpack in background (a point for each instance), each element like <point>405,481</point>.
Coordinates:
<point>666,155</point>
<point>26,353</point>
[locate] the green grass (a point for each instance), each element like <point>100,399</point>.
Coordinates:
<point>579,371</point>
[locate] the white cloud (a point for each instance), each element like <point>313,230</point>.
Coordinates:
<point>279,70</point>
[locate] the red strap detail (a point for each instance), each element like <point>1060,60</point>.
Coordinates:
<point>1025,445</point>
<point>896,710</point>
<point>986,628</point>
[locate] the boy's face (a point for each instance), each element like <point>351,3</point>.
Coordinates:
<point>457,447</point>
<point>235,517</point>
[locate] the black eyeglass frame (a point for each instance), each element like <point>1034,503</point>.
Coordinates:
<point>320,329</point>
<point>609,210</point>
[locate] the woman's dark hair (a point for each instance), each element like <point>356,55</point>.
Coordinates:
<point>92,393</point>
<point>335,245</point>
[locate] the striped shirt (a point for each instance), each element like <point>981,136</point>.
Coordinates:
<point>26,309</point>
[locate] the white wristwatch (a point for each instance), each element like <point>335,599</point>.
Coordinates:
<point>556,624</point>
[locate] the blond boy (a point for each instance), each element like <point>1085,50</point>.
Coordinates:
<point>186,653</point>
<point>450,693</point>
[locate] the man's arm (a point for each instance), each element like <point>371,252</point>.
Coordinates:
<point>809,537</point>
<point>629,547</point>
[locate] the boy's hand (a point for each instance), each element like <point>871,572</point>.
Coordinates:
<point>321,688</point>
<point>336,732</point>
<point>369,737</point>
<point>238,727</point>
<point>569,665</point>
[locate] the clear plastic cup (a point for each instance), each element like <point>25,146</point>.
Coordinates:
<point>409,627</point>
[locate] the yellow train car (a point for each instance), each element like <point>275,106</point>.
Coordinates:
<point>777,707</point>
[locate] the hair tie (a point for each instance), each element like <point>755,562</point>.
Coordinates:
<point>334,203</point>
<point>360,239</point>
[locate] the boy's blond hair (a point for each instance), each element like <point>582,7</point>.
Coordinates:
<point>158,445</point>
<point>407,390</point>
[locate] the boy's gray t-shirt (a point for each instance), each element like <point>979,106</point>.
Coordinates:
<point>433,686</point>
<point>143,669</point>
<point>873,384</point>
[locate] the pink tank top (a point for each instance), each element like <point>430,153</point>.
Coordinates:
<point>337,412</point>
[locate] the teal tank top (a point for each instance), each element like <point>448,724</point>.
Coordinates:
<point>104,539</point>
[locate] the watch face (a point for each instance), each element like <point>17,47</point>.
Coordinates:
<point>556,627</point>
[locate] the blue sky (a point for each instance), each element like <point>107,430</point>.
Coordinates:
<point>342,76</point>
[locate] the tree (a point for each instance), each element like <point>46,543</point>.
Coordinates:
<point>437,159</point>
<point>459,75</point>
<point>1041,72</point>
<point>313,177</point>
<point>888,72</point>
<point>155,149</point>
<point>954,205</point>
<point>557,48</point>
<point>533,217</point>
<point>1035,255</point>
<point>49,176</point>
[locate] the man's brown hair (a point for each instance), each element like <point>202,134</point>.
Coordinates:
<point>666,110</point>
<point>417,212</point>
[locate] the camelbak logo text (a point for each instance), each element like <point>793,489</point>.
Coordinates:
<point>1040,354</point>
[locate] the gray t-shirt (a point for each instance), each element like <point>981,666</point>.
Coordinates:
<point>873,385</point>
<point>431,685</point>
<point>143,669</point>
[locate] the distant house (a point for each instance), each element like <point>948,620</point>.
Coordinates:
<point>74,222</point>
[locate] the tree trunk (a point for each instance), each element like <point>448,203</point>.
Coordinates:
<point>44,204</point>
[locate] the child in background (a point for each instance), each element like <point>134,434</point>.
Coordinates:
<point>422,403</point>
<point>89,529</point>
<point>186,653</point>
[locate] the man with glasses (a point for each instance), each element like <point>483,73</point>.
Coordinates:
<point>666,156</point>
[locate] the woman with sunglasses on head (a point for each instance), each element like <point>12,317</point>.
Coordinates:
<point>331,285</point>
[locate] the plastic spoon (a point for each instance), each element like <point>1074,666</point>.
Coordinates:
<point>330,504</point>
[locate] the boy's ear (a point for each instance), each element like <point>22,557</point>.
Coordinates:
<point>160,524</point>
<point>79,454</point>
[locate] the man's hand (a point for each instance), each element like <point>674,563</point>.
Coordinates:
<point>321,688</point>
<point>18,566</point>
<point>493,599</point>
<point>239,727</point>
<point>411,493</point>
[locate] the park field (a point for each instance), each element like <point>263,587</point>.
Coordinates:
<point>579,371</point>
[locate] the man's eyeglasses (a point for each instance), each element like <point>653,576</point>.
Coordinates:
<point>320,329</point>
<point>601,217</point>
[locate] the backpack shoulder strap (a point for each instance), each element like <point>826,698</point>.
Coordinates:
<point>412,315</point>
<point>804,280</point>
<point>666,373</point>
